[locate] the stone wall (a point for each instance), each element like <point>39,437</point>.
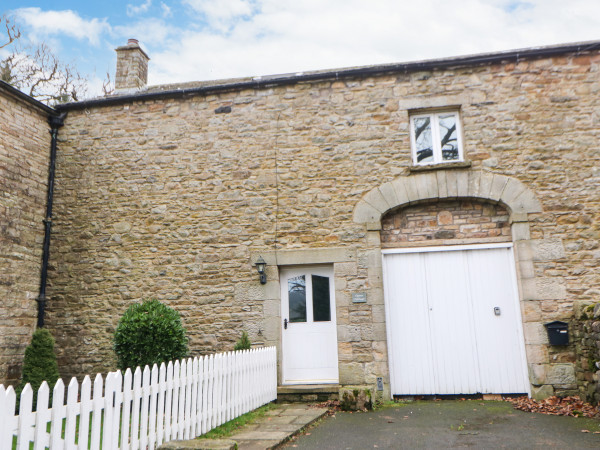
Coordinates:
<point>174,198</point>
<point>24,156</point>
<point>586,337</point>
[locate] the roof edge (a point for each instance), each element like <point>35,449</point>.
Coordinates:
<point>337,74</point>
<point>26,98</point>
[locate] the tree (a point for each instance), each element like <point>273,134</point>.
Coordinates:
<point>36,70</point>
<point>39,364</point>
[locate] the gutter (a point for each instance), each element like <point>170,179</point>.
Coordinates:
<point>55,123</point>
<point>287,79</point>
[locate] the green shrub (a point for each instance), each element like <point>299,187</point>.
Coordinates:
<point>148,333</point>
<point>39,364</point>
<point>243,343</point>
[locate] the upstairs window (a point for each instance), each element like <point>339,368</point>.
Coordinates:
<point>436,138</point>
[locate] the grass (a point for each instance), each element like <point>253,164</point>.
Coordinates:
<point>228,428</point>
<point>388,404</point>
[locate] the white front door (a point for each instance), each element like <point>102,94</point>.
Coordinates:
<point>309,336</point>
<point>454,322</point>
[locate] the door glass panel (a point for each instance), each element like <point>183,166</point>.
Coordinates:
<point>321,301</point>
<point>297,298</point>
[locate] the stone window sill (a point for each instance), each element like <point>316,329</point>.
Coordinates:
<point>450,165</point>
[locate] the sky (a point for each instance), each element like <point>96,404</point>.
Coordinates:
<point>198,40</point>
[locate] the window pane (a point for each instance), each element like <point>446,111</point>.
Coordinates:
<point>423,142</point>
<point>297,298</point>
<point>321,303</point>
<point>448,136</point>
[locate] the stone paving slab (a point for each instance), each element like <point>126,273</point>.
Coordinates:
<point>257,444</point>
<point>277,426</point>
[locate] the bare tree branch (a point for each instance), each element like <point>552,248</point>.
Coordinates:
<point>108,88</point>
<point>12,32</point>
<point>36,71</point>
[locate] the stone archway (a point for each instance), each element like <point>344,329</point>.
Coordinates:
<point>448,184</point>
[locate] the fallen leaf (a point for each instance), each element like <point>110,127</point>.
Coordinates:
<point>556,406</point>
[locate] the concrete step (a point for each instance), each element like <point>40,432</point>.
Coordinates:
<point>307,393</point>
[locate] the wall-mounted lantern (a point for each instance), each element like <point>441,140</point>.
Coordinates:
<point>261,267</point>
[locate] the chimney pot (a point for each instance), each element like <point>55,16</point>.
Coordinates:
<point>132,68</point>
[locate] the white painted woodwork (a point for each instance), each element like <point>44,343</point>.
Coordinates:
<point>309,348</point>
<point>144,409</point>
<point>443,334</point>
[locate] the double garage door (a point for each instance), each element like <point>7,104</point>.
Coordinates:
<point>453,321</point>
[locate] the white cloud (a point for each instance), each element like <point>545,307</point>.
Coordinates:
<point>221,10</point>
<point>148,31</point>
<point>166,10</point>
<point>133,10</point>
<point>244,38</point>
<point>46,23</point>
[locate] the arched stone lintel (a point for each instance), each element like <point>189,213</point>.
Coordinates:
<point>447,184</point>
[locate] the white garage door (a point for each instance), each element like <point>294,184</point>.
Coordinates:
<point>453,321</point>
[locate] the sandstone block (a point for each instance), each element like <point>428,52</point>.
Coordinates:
<point>497,187</point>
<point>376,199</point>
<point>535,333</point>
<point>389,194</point>
<point>536,353</point>
<point>547,249</point>
<point>351,373</point>
<point>561,374</point>
<point>542,392</point>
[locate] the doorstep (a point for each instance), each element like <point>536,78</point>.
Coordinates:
<point>307,392</point>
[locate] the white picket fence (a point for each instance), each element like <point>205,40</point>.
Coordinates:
<point>144,409</point>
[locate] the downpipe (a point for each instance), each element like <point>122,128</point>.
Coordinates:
<point>55,123</point>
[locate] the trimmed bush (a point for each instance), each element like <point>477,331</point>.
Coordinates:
<point>243,343</point>
<point>39,364</point>
<point>149,333</point>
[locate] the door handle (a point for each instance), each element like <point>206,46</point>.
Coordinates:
<point>285,324</point>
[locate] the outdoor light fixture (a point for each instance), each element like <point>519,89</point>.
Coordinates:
<point>261,265</point>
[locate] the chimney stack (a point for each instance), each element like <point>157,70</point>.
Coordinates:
<point>132,68</point>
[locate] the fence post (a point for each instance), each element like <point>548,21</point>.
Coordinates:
<point>84,414</point>
<point>160,413</point>
<point>144,414</point>
<point>168,402</point>
<point>96,413</point>
<point>72,411</point>
<point>58,414</point>
<point>8,400</point>
<point>26,418</point>
<point>126,415</point>
<point>153,406</point>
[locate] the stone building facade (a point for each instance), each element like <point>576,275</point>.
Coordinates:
<point>174,192</point>
<point>24,157</point>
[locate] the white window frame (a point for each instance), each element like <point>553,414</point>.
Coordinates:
<point>435,137</point>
